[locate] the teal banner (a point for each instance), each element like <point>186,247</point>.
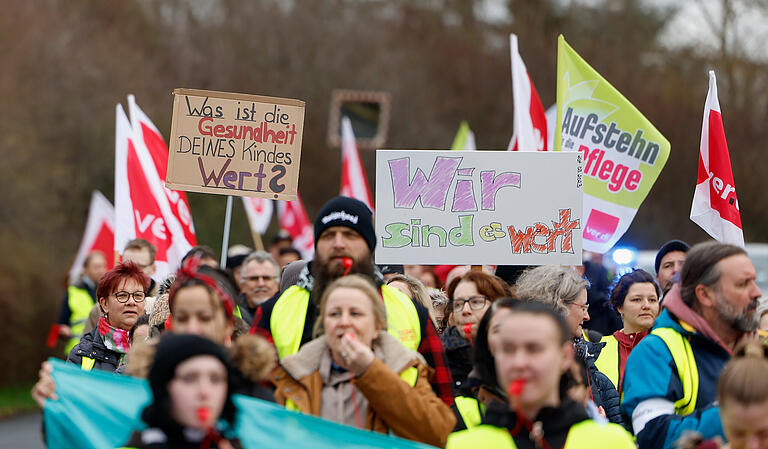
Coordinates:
<point>100,410</point>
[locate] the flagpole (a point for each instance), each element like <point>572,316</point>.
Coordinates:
<point>225,239</point>
<point>257,242</point>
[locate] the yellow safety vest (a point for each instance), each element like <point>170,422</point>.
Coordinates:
<point>584,435</point>
<point>86,363</point>
<point>290,312</point>
<point>608,361</point>
<point>680,349</point>
<point>470,409</point>
<point>409,375</point>
<point>80,305</point>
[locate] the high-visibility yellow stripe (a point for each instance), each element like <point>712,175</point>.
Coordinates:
<point>682,354</point>
<point>87,363</point>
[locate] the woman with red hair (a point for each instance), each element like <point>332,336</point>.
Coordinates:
<point>470,296</point>
<point>121,294</point>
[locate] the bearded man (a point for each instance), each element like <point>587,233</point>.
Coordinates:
<point>671,376</point>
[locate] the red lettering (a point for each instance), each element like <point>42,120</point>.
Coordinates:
<point>605,170</point>
<point>633,180</point>
<point>521,242</point>
<point>525,242</point>
<point>204,130</point>
<point>218,130</point>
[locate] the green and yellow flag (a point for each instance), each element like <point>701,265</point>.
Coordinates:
<point>623,153</point>
<point>465,138</point>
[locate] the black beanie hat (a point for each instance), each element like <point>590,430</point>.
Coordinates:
<point>349,212</point>
<point>172,350</point>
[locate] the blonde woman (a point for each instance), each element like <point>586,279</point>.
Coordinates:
<point>355,373</point>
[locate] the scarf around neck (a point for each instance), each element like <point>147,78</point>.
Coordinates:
<point>114,339</point>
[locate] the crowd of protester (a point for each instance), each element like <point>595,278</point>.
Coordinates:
<point>451,356</point>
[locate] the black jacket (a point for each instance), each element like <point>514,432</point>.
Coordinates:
<point>91,345</point>
<point>155,438</point>
<point>604,394</point>
<point>458,351</point>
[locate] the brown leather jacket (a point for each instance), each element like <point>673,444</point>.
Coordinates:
<point>414,413</point>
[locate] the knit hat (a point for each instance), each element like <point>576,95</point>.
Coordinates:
<point>172,350</point>
<point>672,245</point>
<point>349,212</point>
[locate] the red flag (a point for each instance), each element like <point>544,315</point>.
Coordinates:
<point>142,209</point>
<point>294,219</point>
<point>715,206</point>
<point>147,135</point>
<point>99,234</point>
<point>354,183</point>
<point>530,121</point>
<point>259,212</point>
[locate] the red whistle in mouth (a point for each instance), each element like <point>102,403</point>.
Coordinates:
<point>347,263</point>
<point>204,415</point>
<point>515,388</point>
<point>468,331</point>
<point>350,335</point>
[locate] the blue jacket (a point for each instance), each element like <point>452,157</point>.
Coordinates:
<point>651,373</point>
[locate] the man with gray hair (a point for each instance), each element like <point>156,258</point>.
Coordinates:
<point>259,281</point>
<point>671,376</point>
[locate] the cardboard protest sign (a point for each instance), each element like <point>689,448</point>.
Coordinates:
<point>235,144</point>
<point>479,207</point>
<point>623,152</point>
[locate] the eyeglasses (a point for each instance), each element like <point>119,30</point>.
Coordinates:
<point>584,307</point>
<point>122,297</point>
<point>257,278</point>
<point>475,303</point>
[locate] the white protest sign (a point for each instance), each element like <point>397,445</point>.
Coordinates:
<point>483,207</point>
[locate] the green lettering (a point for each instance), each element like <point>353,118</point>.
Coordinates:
<point>396,237</point>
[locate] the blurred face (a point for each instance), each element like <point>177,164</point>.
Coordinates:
<point>494,327</point>
<point>640,308</point>
<point>745,425</point>
<point>123,315</point>
<point>577,314</point>
<point>349,310</point>
<point>142,258</point>
<point>338,242</point>
<point>736,293</point>
<point>429,279</point>
<point>200,381</point>
<point>95,268</point>
<point>259,282</point>
<point>141,333</point>
<point>194,312</point>
<point>529,347</point>
<point>285,259</point>
<point>764,322</point>
<point>469,305</point>
<point>670,265</point>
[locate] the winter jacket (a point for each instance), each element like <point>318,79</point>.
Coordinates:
<point>652,383</point>
<point>458,351</point>
<point>91,353</point>
<point>429,346</point>
<point>155,438</point>
<point>412,412</point>
<point>604,394</point>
